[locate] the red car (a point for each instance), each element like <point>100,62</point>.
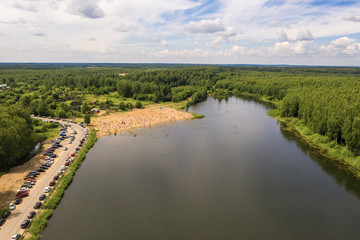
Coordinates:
<point>52,149</point>
<point>67,164</point>
<point>31,214</point>
<point>73,154</point>
<point>24,194</point>
<point>52,183</point>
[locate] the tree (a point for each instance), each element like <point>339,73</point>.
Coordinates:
<point>25,100</point>
<point>84,108</point>
<point>87,119</point>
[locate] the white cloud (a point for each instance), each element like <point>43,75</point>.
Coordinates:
<point>37,32</point>
<point>180,53</point>
<point>25,6</point>
<point>206,26</point>
<point>87,9</point>
<point>305,36</point>
<point>164,43</point>
<point>341,46</point>
<point>352,17</point>
<point>282,36</point>
<point>125,28</point>
<point>235,51</point>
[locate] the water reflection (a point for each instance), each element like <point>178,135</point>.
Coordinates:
<point>336,170</point>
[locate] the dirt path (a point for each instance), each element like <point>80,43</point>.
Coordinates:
<point>11,181</point>
<point>117,122</point>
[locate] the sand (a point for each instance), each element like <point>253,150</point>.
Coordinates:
<point>122,121</point>
<point>12,181</point>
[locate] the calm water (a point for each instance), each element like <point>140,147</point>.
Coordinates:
<point>232,175</point>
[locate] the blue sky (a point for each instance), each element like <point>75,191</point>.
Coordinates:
<point>306,32</point>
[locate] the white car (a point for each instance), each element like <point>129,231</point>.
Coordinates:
<point>70,142</point>
<point>65,148</point>
<point>12,206</point>
<point>59,173</point>
<point>23,189</point>
<point>16,236</point>
<point>63,168</point>
<point>47,189</point>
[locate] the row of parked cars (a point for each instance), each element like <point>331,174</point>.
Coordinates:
<point>30,179</point>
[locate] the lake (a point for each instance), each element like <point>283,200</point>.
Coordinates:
<point>236,174</point>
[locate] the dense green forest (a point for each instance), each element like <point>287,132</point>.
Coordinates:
<point>323,100</point>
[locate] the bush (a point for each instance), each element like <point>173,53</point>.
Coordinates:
<point>138,104</point>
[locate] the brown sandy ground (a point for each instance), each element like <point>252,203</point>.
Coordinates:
<point>12,181</point>
<point>121,121</point>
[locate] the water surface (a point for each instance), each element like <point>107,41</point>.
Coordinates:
<point>232,175</point>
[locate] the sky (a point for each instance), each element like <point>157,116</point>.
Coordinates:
<point>294,32</point>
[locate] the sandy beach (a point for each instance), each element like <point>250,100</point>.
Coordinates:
<point>121,121</point>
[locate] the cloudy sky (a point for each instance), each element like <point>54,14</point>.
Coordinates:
<point>310,32</point>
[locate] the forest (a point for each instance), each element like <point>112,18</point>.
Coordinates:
<point>324,100</point>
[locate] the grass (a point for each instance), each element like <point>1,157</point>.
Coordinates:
<point>4,209</point>
<point>54,198</point>
<point>198,116</point>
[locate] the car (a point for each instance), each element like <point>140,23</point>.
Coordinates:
<point>51,149</point>
<point>77,149</point>
<point>59,173</point>
<point>30,182</point>
<point>56,178</point>
<point>2,221</point>
<point>6,214</point>
<point>27,186</point>
<point>42,197</point>
<point>55,146</point>
<point>47,189</point>
<point>63,168</point>
<point>12,206</point>
<point>67,163</point>
<point>65,148</point>
<point>18,201</point>
<point>70,142</point>
<point>21,192</point>
<point>25,223</point>
<point>16,236</point>
<point>72,155</point>
<point>23,189</point>
<point>24,194</point>
<point>44,167</point>
<point>52,183</point>
<point>41,170</point>
<point>31,214</point>
<point>37,205</point>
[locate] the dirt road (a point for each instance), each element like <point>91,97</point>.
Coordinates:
<point>13,222</point>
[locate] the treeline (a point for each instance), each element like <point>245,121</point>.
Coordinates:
<point>18,134</point>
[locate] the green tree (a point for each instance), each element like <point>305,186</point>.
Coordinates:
<point>25,100</point>
<point>87,119</point>
<point>84,108</point>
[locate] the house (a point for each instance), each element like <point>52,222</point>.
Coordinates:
<point>94,110</point>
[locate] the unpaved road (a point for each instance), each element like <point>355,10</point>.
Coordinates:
<point>13,222</point>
